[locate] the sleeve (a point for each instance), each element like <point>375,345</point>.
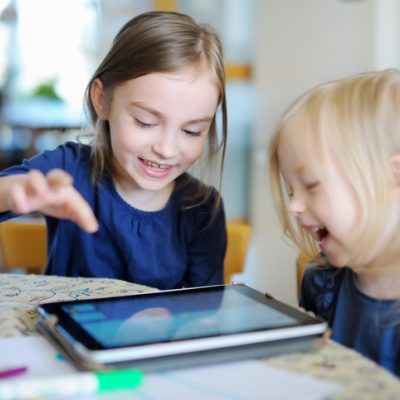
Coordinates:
<point>208,246</point>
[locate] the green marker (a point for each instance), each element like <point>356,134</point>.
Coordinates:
<point>69,385</point>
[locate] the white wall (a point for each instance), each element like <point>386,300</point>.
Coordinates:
<point>301,43</point>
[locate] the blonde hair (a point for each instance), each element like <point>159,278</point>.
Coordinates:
<point>159,42</point>
<point>358,120</point>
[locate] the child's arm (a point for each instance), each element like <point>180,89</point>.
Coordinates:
<point>52,194</point>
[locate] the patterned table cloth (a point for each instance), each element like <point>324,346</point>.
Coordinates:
<point>20,294</point>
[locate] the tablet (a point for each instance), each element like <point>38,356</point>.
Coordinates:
<point>178,327</point>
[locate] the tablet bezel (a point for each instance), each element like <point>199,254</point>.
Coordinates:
<point>91,350</point>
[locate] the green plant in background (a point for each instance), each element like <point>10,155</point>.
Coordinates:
<point>46,90</point>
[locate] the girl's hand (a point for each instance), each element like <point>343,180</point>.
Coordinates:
<point>53,195</point>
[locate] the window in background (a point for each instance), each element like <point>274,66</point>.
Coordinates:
<point>48,48</point>
<point>54,42</point>
<point>234,21</point>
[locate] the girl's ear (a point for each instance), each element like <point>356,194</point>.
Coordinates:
<point>98,98</point>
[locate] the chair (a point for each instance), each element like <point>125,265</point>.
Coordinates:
<point>236,252</point>
<point>23,244</point>
<point>301,265</point>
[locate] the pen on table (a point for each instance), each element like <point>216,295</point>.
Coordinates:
<point>11,372</point>
<point>69,385</point>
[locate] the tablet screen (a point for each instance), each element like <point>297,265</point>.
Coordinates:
<point>176,315</point>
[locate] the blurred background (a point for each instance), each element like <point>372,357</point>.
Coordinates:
<point>274,51</point>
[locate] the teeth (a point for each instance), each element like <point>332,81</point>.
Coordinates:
<point>155,165</point>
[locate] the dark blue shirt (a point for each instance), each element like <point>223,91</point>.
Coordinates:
<point>171,248</point>
<point>368,325</point>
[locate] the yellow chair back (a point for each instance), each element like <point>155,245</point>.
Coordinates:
<point>23,244</point>
<point>236,253</point>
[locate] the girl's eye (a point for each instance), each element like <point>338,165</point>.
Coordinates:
<point>311,186</point>
<point>192,133</point>
<point>144,124</point>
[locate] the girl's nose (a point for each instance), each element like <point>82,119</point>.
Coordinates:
<point>296,206</point>
<point>167,145</point>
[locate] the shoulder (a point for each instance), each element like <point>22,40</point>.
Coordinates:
<point>65,156</point>
<point>68,151</point>
<point>323,276</point>
<point>71,156</point>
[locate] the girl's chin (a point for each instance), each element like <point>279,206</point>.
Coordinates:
<point>333,252</point>
<point>336,261</point>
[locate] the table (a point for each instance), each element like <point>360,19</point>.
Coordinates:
<point>19,294</point>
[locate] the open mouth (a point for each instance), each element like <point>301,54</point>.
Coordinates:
<point>154,166</point>
<point>321,234</point>
<point>155,170</point>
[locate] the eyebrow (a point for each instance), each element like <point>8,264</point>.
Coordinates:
<point>160,115</point>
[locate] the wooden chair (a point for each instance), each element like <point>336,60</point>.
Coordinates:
<point>236,252</point>
<point>23,244</point>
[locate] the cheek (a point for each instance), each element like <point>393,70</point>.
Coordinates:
<point>345,204</point>
<point>193,149</point>
<point>123,139</point>
<point>118,143</point>
<point>346,214</point>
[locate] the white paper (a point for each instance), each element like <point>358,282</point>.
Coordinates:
<point>239,381</point>
<point>34,352</point>
<point>243,380</point>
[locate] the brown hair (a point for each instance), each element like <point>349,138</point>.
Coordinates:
<point>158,42</point>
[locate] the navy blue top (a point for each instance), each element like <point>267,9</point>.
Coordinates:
<point>368,325</point>
<point>166,249</point>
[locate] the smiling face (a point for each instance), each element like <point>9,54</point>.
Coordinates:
<point>326,204</point>
<point>321,198</point>
<point>334,161</point>
<point>159,125</point>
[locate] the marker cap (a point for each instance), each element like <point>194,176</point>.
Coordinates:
<point>118,379</point>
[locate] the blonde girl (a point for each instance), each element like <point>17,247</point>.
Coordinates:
<point>335,170</point>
